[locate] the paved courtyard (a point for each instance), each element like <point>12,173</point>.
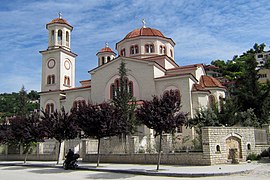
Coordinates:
<point>259,171</point>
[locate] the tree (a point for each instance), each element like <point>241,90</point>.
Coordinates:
<point>5,132</point>
<point>163,115</point>
<point>18,104</point>
<point>249,93</point>
<point>229,114</point>
<point>59,125</point>
<point>23,131</point>
<point>126,103</point>
<point>22,102</point>
<point>98,121</point>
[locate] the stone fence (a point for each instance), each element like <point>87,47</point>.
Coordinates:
<point>185,158</point>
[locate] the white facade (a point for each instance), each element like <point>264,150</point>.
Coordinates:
<point>152,70</point>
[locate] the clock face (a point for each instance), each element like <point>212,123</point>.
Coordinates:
<point>67,64</point>
<point>51,63</point>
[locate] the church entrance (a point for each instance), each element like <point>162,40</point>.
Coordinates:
<point>234,147</point>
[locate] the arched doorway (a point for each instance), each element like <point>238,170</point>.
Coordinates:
<point>233,144</point>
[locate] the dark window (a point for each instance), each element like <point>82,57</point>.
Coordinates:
<point>59,37</point>
<point>149,48</point>
<point>115,87</point>
<point>248,147</point>
<point>218,148</point>
<point>49,108</point>
<point>123,52</point>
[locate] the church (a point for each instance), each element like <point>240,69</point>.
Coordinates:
<point>152,70</point>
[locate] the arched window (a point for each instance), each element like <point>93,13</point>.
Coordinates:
<point>134,49</point>
<point>49,108</point>
<point>113,91</point>
<point>248,147</point>
<point>67,81</point>
<point>52,36</point>
<point>102,60</point>
<point>49,79</point>
<point>171,53</point>
<point>79,103</point>
<point>59,37</point>
<point>67,38</point>
<point>130,88</point>
<point>149,48</point>
<point>53,79</point>
<point>115,87</point>
<point>162,49</point>
<point>218,148</point>
<point>108,59</point>
<point>123,52</point>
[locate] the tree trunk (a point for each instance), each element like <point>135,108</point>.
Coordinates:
<point>125,139</point>
<point>26,154</point>
<point>159,151</point>
<point>58,156</point>
<point>98,155</point>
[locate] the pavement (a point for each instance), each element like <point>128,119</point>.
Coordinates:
<point>150,170</point>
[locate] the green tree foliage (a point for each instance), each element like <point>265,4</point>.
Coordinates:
<point>248,95</point>
<point>59,125</point>
<point>163,115</point>
<point>125,101</point>
<point>18,103</point>
<point>22,130</point>
<point>5,132</point>
<point>98,121</point>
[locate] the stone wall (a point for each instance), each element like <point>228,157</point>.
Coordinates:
<point>176,158</point>
<point>217,142</point>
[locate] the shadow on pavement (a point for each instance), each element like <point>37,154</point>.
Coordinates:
<point>12,168</point>
<point>104,175</point>
<point>50,171</point>
<point>264,160</point>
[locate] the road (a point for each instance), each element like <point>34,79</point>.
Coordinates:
<point>43,173</point>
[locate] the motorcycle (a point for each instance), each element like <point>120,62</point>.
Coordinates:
<point>71,163</point>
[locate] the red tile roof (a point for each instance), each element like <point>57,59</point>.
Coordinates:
<point>144,32</point>
<point>198,87</point>
<point>106,49</point>
<point>59,21</point>
<point>208,81</point>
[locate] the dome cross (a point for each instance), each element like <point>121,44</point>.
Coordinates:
<point>143,21</point>
<point>60,15</point>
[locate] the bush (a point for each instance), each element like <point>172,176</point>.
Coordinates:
<point>265,153</point>
<point>253,157</point>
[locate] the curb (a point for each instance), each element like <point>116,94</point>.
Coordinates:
<point>145,173</point>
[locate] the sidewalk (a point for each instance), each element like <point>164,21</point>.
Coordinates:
<point>165,170</point>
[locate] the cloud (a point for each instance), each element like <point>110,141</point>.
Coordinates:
<point>203,31</point>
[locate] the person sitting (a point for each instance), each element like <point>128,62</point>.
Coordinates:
<point>69,156</point>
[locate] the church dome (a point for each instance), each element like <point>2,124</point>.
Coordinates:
<point>59,20</point>
<point>144,31</point>
<point>106,49</point>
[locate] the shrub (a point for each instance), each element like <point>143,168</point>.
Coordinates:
<point>253,157</point>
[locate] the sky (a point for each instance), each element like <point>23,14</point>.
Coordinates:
<point>203,30</point>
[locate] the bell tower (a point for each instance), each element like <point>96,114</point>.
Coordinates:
<point>58,62</point>
<point>105,55</point>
